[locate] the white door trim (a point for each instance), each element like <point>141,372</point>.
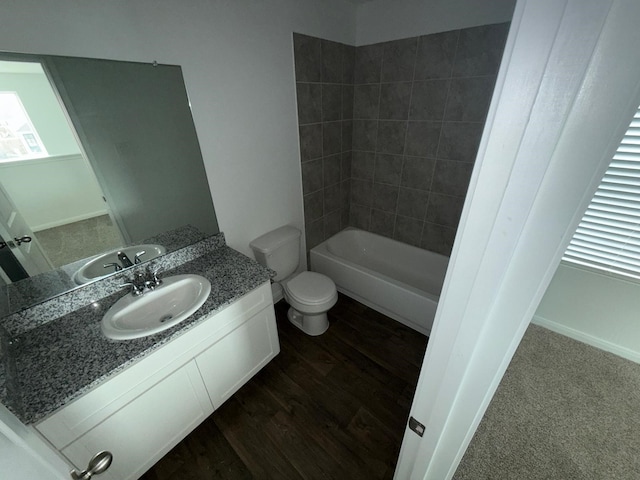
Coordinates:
<point>567,87</point>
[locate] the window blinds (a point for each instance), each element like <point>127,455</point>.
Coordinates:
<point>608,237</point>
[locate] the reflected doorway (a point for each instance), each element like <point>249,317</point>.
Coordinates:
<point>45,175</point>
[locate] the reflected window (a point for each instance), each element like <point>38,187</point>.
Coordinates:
<point>19,139</point>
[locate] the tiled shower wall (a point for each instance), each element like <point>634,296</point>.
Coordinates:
<point>324,88</point>
<point>419,106</point>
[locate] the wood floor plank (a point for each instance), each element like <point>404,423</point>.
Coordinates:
<point>333,406</point>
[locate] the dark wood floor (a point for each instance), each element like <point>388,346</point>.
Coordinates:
<point>333,406</point>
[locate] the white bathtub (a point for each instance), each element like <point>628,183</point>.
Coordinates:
<point>396,279</point>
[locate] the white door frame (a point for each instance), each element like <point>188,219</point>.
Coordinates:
<point>29,454</point>
<point>567,87</point>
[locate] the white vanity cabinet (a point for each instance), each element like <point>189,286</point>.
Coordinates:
<point>144,411</point>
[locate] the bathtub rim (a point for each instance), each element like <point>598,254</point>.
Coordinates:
<point>321,249</point>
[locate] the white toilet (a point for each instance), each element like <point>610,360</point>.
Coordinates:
<point>309,294</point>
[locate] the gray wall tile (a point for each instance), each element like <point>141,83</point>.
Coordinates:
<point>313,205</point>
<point>308,58</point>
<point>460,141</point>
<point>345,194</point>
<point>331,62</point>
<point>384,197</point>
<point>348,64</point>
<point>314,233</point>
<point>309,102</point>
<point>366,101</point>
<point>368,63</point>
<point>422,139</point>
<point>480,50</point>
<point>412,203</point>
<point>469,99</point>
<point>331,102</point>
<point>310,142</point>
<point>332,169</point>
<point>312,176</point>
<point>363,165</point>
<point>428,100</point>
<point>391,135</point>
<point>347,135</point>
<point>388,169</point>
<point>331,138</point>
<point>360,216</point>
<point>332,223</point>
<point>331,198</point>
<point>438,238</point>
<point>364,135</point>
<point>346,159</point>
<point>444,209</point>
<point>394,101</point>
<point>436,54</point>
<point>408,230</point>
<point>398,60</point>
<point>347,102</point>
<point>361,192</point>
<point>394,131</point>
<point>382,222</point>
<point>451,177</point>
<point>417,173</point>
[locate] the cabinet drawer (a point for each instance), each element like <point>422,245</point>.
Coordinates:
<point>142,432</point>
<point>233,360</point>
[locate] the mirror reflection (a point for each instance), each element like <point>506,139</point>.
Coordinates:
<point>99,165</point>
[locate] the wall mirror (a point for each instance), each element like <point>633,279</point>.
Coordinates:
<point>95,156</point>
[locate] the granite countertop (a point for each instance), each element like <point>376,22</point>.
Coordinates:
<point>59,361</point>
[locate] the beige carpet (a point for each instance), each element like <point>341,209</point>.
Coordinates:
<point>563,411</point>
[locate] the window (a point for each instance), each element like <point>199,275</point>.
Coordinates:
<point>608,237</point>
<point>18,137</point>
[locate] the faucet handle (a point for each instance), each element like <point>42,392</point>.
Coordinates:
<point>136,289</point>
<point>154,275</point>
<point>136,258</point>
<point>114,264</point>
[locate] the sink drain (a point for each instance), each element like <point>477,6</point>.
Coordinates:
<point>166,318</point>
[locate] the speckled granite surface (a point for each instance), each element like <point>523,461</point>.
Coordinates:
<point>58,360</point>
<point>40,288</point>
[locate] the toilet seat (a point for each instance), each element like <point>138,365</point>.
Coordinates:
<point>311,288</point>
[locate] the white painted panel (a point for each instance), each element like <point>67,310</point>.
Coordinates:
<point>139,434</point>
<point>231,362</point>
<point>384,20</point>
<point>595,308</point>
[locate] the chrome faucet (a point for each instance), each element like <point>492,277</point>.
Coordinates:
<point>144,282</point>
<point>124,260</point>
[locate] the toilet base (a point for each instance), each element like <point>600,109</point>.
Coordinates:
<point>313,325</point>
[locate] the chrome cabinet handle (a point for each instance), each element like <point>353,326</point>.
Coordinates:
<point>97,465</point>
<point>21,240</point>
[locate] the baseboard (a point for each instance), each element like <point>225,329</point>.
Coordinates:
<point>596,342</point>
<point>66,221</point>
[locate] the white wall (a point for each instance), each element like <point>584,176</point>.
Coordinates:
<point>237,59</point>
<point>52,191</point>
<point>43,109</point>
<point>595,308</point>
<point>384,20</point>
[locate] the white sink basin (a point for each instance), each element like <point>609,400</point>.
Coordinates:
<point>176,299</point>
<point>95,269</point>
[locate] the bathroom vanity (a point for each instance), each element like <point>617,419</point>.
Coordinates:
<point>139,398</point>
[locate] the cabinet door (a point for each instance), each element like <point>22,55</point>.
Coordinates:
<point>232,361</point>
<point>148,427</point>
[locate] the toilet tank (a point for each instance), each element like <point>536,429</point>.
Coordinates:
<point>279,250</point>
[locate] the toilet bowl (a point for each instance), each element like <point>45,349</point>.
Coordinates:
<point>310,296</point>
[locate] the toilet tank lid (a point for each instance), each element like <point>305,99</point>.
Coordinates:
<point>270,241</point>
